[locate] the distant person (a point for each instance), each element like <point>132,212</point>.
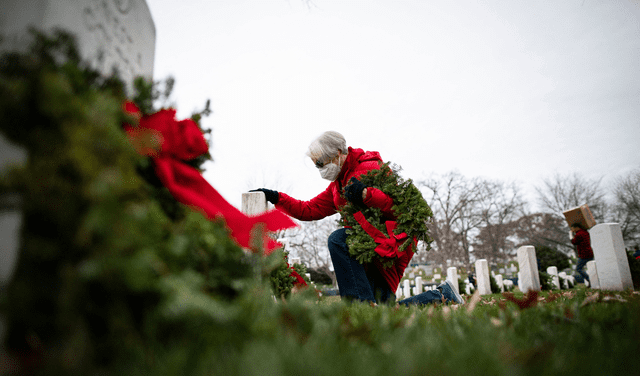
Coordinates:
<point>581,239</point>
<point>472,280</point>
<point>342,166</point>
<point>636,252</point>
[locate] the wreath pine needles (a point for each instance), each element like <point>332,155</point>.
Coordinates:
<point>413,214</point>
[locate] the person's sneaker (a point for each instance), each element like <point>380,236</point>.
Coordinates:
<point>450,293</point>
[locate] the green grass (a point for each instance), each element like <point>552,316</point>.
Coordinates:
<point>564,333</point>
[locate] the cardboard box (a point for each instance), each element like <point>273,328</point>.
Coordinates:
<point>581,214</point>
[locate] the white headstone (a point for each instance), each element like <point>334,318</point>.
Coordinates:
<point>529,277</point>
<point>499,282</point>
<point>564,280</point>
<point>436,276</point>
<point>406,288</point>
<point>109,33</point>
<point>452,276</point>
<point>553,272</point>
<point>467,288</point>
<point>399,295</point>
<point>609,253</point>
<point>592,271</point>
<point>254,203</point>
<point>482,277</point>
<point>419,285</point>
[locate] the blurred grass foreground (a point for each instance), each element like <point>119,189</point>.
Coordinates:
<point>115,277</point>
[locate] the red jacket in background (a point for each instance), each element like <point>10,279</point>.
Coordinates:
<point>328,202</point>
<point>582,241</point>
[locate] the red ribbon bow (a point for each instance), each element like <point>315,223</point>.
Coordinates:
<point>170,142</point>
<point>387,247</point>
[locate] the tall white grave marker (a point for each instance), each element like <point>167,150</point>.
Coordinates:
<point>419,286</point>
<point>482,277</point>
<point>608,250</point>
<point>529,277</point>
<point>406,284</point>
<point>452,275</point>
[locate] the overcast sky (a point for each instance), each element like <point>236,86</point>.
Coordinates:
<point>506,90</point>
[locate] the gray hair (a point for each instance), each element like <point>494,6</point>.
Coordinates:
<point>326,146</point>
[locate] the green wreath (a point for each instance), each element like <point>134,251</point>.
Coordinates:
<point>413,214</point>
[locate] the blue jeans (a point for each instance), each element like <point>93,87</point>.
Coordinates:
<point>580,268</point>
<point>356,282</point>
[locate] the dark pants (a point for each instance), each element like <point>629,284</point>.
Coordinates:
<point>356,282</point>
<point>582,263</point>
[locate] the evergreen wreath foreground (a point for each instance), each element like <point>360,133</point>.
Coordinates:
<point>413,215</point>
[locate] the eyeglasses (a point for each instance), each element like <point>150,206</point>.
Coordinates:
<point>322,164</point>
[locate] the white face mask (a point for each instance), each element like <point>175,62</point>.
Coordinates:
<point>330,171</point>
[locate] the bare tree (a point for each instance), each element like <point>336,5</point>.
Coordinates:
<point>543,229</point>
<point>627,206</point>
<point>453,199</point>
<point>309,241</point>
<point>562,192</point>
<point>499,205</point>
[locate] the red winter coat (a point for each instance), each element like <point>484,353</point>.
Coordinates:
<point>328,202</point>
<point>582,241</point>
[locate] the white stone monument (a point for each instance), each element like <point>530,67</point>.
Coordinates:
<point>110,33</point>
<point>592,271</point>
<point>609,254</point>
<point>482,277</point>
<point>553,272</point>
<point>419,285</point>
<point>254,203</point>
<point>406,284</point>
<point>499,282</point>
<point>452,276</point>
<point>529,277</point>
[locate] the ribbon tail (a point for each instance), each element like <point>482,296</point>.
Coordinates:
<point>187,186</point>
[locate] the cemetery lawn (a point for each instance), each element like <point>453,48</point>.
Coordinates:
<point>568,332</point>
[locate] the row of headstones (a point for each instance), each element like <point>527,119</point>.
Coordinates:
<point>609,271</point>
<point>409,289</point>
<point>507,271</point>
